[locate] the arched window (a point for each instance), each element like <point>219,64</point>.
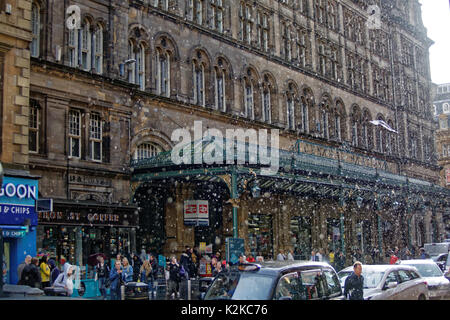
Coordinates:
<point>249,102</point>
<point>136,71</point>
<point>219,89</point>
<point>381,137</point>
<point>98,49</point>
<point>356,126</point>
<point>86,46</point>
<point>199,83</point>
<point>291,101</point>
<point>131,66</point>
<point>35,29</point>
<point>73,48</point>
<point>146,150</point>
<point>367,130</point>
<point>305,117</point>
<point>163,65</point>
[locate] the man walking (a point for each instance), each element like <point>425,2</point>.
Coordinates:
<point>102,273</point>
<point>354,284</point>
<point>21,266</point>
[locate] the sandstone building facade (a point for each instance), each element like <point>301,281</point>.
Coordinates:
<point>109,94</point>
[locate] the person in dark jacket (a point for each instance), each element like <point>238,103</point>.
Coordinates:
<point>136,263</point>
<point>117,279</point>
<point>54,271</point>
<point>173,286</point>
<point>354,284</point>
<point>153,275</point>
<point>31,275</point>
<point>102,273</point>
<point>339,261</point>
<point>186,261</point>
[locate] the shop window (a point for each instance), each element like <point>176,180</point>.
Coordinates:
<point>334,234</point>
<point>260,234</point>
<point>301,237</point>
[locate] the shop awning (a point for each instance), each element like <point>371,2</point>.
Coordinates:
<point>14,231</point>
<point>299,173</point>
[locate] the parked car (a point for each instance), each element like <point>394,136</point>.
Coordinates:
<point>390,282</point>
<point>438,285</point>
<point>279,280</point>
<point>441,260</point>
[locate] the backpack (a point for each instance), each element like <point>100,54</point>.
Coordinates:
<point>182,272</point>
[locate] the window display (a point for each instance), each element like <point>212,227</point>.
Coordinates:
<point>301,237</point>
<point>260,235</point>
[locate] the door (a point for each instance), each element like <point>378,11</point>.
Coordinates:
<point>288,288</point>
<point>389,294</point>
<point>406,288</point>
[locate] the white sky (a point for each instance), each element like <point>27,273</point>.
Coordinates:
<point>436,18</point>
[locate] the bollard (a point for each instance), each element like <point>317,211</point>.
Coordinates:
<point>189,289</point>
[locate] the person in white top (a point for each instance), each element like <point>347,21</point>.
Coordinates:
<point>281,256</point>
<point>290,257</point>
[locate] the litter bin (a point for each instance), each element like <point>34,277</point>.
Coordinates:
<point>136,291</point>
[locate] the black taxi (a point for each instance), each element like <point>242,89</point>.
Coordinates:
<point>276,280</point>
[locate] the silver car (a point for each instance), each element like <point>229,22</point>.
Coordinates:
<point>438,285</point>
<point>390,282</point>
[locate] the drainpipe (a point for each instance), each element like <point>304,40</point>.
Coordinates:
<point>234,196</point>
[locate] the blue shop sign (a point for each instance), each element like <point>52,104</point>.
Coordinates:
<point>17,201</point>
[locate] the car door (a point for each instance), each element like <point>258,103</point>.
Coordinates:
<point>288,287</point>
<point>406,289</point>
<point>331,283</point>
<point>389,293</point>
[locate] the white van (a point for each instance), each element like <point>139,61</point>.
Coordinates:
<point>435,249</point>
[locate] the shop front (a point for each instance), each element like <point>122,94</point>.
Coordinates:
<point>77,230</point>
<point>18,220</point>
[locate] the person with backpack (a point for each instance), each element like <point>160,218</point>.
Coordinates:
<point>102,275</point>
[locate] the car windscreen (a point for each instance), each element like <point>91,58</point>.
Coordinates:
<point>240,286</point>
<point>428,269</point>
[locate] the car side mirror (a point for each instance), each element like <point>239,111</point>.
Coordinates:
<point>390,285</point>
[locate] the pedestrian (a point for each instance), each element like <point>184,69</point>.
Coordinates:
<point>331,257</point>
<point>354,284</point>
<point>117,279</point>
<point>136,264</point>
<point>45,272</point>
<point>319,255</point>
<point>242,259</point>
<point>250,258</point>
<point>423,254</point>
<point>281,256</point>
<point>65,279</point>
<point>259,257</point>
<point>194,258</point>
<point>217,268</point>
<point>174,280</point>
<point>21,266</point>
<point>54,271</point>
<point>102,272</point>
<point>186,261</point>
<point>127,270</point>
<point>339,261</point>
<point>145,272</point>
<point>31,275</point>
<point>314,256</point>
<point>290,255</point>
<point>393,258</point>
<point>153,275</point>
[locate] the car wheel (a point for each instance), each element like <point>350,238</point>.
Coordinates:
<point>422,297</point>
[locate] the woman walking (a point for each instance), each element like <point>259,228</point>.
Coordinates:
<point>45,272</point>
<point>117,279</point>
